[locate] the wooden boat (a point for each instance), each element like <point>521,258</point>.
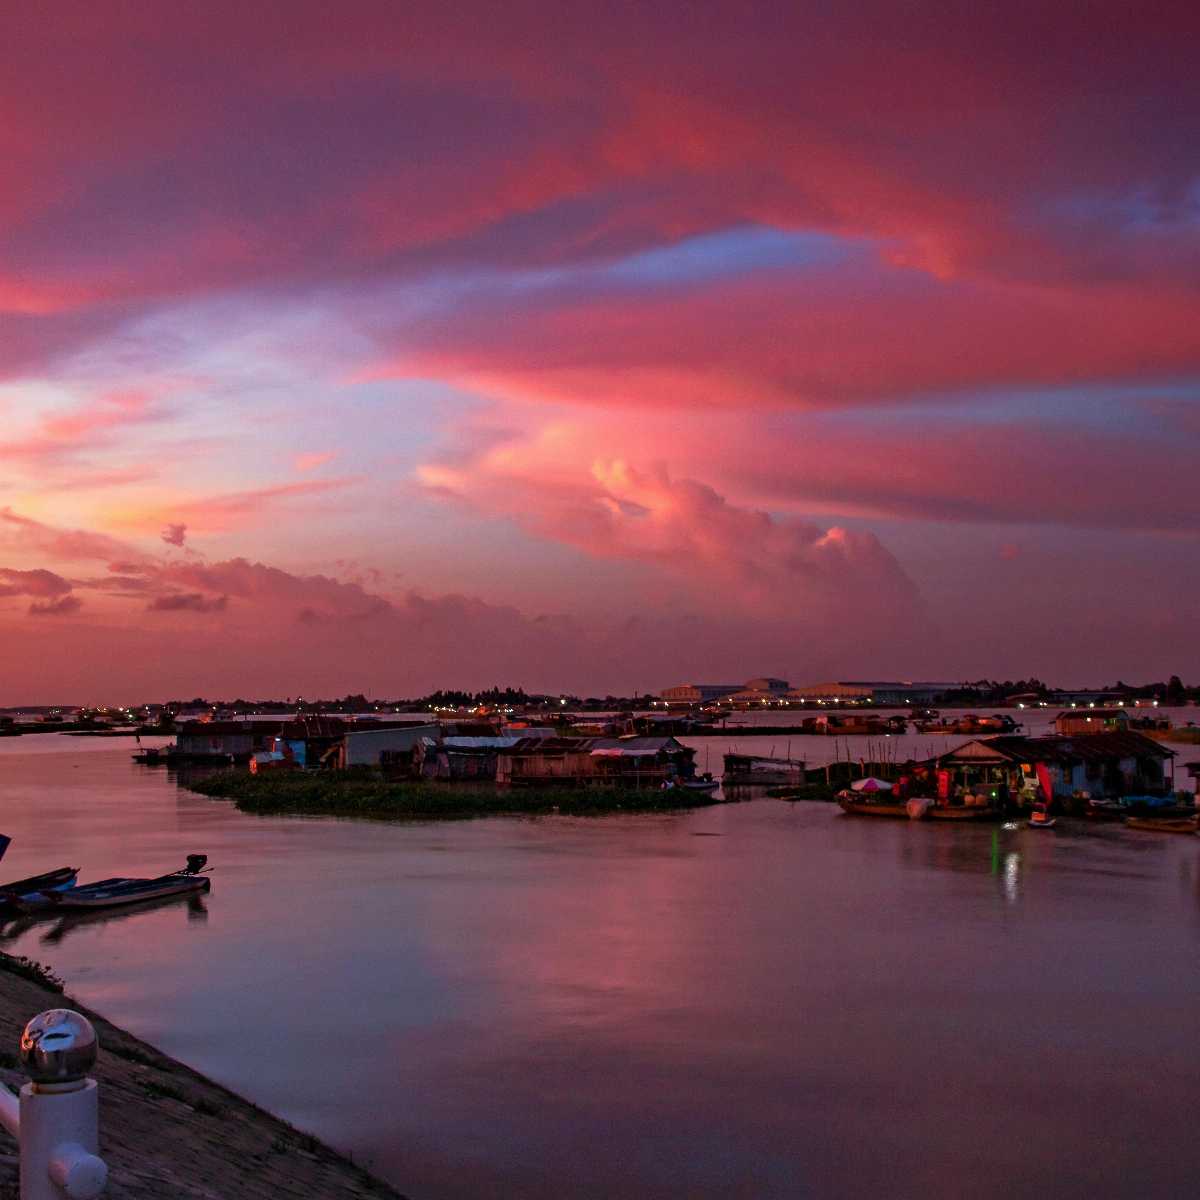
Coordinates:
<point>24,893</point>
<point>961,812</point>
<point>857,806</point>
<point>112,893</point>
<point>1164,824</point>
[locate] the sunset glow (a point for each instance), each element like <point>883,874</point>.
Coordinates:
<point>380,348</point>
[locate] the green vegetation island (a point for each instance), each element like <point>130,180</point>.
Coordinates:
<point>366,792</point>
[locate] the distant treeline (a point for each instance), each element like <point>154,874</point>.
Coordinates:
<point>981,691</point>
<point>503,697</point>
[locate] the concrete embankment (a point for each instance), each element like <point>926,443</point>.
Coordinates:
<point>166,1131</point>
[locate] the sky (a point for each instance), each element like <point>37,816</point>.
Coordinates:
<point>376,347</point>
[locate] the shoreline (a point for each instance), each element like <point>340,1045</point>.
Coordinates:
<point>167,1130</point>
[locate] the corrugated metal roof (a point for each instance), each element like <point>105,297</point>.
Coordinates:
<point>1086,747</point>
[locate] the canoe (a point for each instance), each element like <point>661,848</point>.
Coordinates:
<point>28,892</point>
<point>110,893</point>
<point>1163,824</point>
<point>872,808</point>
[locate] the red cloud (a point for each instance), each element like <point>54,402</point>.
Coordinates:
<point>187,602</point>
<point>62,606</point>
<point>37,582</point>
<point>803,339</point>
<point>976,146</point>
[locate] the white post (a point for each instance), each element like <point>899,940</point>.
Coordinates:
<point>58,1117</point>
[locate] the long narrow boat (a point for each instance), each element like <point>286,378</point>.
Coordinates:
<point>1164,824</point>
<point>111,893</point>
<point>26,893</point>
<point>961,812</point>
<point>873,808</point>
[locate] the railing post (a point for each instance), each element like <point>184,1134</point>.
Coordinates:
<point>59,1111</point>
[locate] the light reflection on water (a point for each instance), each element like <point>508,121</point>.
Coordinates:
<point>796,1003</point>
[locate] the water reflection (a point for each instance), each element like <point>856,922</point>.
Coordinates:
<point>1012,876</point>
<point>63,924</point>
<point>806,1004</point>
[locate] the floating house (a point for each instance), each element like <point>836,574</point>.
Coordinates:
<point>639,762</point>
<point>1108,764</point>
<point>1091,720</point>
<point>224,741</point>
<point>390,747</point>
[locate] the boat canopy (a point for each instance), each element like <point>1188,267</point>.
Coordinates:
<point>871,784</point>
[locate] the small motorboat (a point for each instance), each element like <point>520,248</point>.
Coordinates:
<point>1164,824</point>
<point>1040,818</point>
<point>29,893</point>
<point>111,893</point>
<point>705,784</point>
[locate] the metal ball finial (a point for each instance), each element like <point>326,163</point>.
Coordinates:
<point>58,1046</point>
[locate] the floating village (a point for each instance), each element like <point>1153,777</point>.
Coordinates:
<point>1100,755</point>
<point>916,753</point>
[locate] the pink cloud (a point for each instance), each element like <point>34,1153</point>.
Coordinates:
<point>24,533</point>
<point>175,534</point>
<point>218,513</point>
<point>312,460</point>
<point>85,428</point>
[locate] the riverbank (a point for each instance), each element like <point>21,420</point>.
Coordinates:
<point>359,792</point>
<point>166,1130</point>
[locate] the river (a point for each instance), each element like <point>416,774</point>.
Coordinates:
<point>753,1000</point>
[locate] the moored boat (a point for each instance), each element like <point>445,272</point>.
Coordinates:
<point>962,812</point>
<point>860,806</point>
<point>1040,818</point>
<point>112,893</point>
<point>25,893</point>
<point>1164,824</point>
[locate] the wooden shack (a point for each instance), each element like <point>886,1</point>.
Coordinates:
<point>636,762</point>
<point>1102,765</point>
<point>1091,720</point>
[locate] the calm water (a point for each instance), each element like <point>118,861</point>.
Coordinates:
<point>755,1000</point>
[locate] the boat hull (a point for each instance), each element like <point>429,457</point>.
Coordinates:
<point>865,808</point>
<point>956,812</point>
<point>115,893</point>
<point>1164,825</point>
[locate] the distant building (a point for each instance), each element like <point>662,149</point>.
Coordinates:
<point>859,691</point>
<point>697,693</point>
<point>758,693</point>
